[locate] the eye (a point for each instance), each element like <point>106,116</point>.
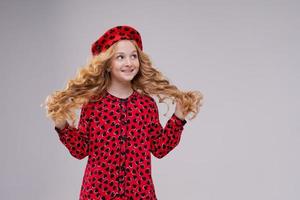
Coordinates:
<point>120,56</point>
<point>134,56</point>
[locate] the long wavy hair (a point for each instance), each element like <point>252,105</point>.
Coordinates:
<point>93,79</point>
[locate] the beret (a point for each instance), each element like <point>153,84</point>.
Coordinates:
<point>115,34</point>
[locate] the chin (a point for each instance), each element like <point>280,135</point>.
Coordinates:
<point>125,79</point>
<point>128,78</point>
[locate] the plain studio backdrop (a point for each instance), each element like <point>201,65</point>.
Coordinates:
<point>242,55</point>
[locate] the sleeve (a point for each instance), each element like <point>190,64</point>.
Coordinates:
<point>164,140</point>
<point>76,140</point>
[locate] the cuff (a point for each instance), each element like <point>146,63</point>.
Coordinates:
<point>178,121</point>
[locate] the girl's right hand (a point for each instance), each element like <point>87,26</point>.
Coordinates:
<point>60,124</point>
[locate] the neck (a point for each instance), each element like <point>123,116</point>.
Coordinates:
<point>121,90</point>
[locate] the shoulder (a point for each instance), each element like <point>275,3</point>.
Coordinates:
<point>93,101</point>
<point>147,99</point>
<point>89,107</point>
<point>149,102</point>
<point>96,97</point>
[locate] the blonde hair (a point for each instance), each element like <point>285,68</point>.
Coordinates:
<point>93,79</point>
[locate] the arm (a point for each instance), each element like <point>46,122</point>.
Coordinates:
<point>164,140</point>
<point>76,139</point>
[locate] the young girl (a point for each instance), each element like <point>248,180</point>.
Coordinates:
<point>119,121</point>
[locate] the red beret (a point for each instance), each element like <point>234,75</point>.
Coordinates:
<point>114,35</point>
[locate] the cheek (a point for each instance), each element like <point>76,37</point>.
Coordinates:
<point>137,63</point>
<point>115,65</point>
<point>137,67</point>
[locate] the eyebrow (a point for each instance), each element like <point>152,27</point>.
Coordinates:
<point>134,51</point>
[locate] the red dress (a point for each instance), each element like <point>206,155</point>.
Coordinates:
<point>118,136</point>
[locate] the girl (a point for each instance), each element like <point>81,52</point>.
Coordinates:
<point>119,123</point>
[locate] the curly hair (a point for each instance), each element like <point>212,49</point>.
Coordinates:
<point>92,80</point>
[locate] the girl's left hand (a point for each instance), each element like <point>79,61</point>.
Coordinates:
<point>178,110</point>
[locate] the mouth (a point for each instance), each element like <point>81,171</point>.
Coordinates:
<point>127,71</point>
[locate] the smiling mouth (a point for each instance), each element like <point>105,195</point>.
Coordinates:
<point>127,71</point>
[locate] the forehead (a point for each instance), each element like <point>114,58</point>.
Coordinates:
<point>125,46</point>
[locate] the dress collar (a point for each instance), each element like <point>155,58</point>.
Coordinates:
<point>132,96</point>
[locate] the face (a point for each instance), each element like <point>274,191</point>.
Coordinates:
<point>125,62</point>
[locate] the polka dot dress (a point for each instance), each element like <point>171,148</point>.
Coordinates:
<point>118,136</point>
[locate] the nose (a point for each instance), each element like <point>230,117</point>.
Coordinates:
<point>128,62</point>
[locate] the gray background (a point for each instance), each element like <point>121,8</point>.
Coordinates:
<point>242,55</point>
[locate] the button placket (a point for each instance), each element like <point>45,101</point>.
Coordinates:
<point>122,142</point>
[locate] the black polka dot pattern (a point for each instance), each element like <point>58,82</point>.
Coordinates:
<point>118,136</point>
<point>115,34</point>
